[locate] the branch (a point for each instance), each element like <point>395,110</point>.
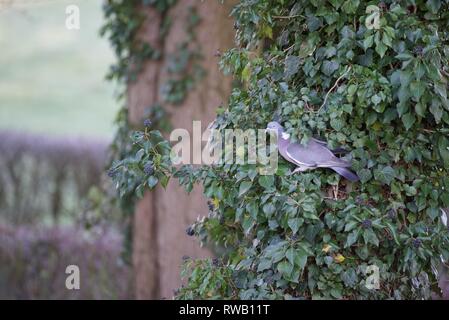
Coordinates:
<point>288,17</point>
<point>333,87</point>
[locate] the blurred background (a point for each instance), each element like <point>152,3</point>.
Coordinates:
<point>56,122</point>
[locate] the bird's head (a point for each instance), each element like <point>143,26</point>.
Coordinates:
<point>275,126</point>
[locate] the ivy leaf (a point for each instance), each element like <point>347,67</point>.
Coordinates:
<point>246,72</point>
<point>164,181</point>
<point>352,238</point>
<point>266,181</point>
<point>370,237</point>
<point>408,120</point>
<point>368,42</point>
<point>436,110</point>
<point>295,224</point>
<point>253,209</point>
<point>244,187</point>
<point>385,175</point>
<point>268,209</point>
<point>381,48</point>
<point>290,255</point>
<point>329,67</point>
<point>420,109</point>
<point>301,258</point>
<point>152,182</point>
<point>337,124</point>
<point>264,264</point>
<point>393,232</point>
<point>247,224</point>
<point>350,6</point>
<point>443,148</point>
<point>314,23</point>
<point>433,5</point>
<point>364,175</point>
<point>417,88</point>
<point>291,66</point>
<point>285,268</point>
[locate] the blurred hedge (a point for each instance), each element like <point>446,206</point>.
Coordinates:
<point>33,263</point>
<point>46,177</point>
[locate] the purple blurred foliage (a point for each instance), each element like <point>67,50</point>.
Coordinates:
<point>42,174</point>
<point>33,263</point>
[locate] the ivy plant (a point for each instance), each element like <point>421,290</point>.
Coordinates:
<point>368,76</point>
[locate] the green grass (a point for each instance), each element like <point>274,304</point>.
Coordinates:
<point>52,78</point>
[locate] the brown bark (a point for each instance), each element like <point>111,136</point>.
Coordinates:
<point>162,216</point>
<point>141,94</point>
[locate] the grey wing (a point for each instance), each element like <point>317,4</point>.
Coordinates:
<point>324,143</point>
<point>314,154</point>
<point>299,155</point>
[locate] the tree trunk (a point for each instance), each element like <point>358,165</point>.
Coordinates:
<point>162,216</point>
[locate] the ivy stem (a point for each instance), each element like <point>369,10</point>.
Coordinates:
<point>334,86</point>
<point>289,17</point>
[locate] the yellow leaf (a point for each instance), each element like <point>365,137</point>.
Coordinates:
<point>216,202</point>
<point>339,258</point>
<point>377,126</point>
<point>326,248</point>
<point>267,31</point>
<point>246,73</point>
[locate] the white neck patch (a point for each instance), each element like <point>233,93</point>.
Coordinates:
<point>285,135</point>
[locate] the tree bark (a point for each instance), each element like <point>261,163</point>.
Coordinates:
<point>162,216</point>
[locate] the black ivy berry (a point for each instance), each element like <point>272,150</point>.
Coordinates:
<point>392,214</point>
<point>417,243</point>
<point>190,232</point>
<point>210,205</point>
<point>111,173</point>
<point>419,50</point>
<point>367,223</point>
<point>147,123</point>
<point>215,262</point>
<point>294,237</point>
<point>148,168</point>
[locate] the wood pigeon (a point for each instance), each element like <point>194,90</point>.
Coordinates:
<point>314,155</point>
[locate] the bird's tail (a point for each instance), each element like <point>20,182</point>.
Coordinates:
<point>348,174</point>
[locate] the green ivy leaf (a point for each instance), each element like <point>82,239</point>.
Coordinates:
<point>385,175</point>
<point>152,182</point>
<point>295,224</point>
<point>291,66</point>
<point>417,88</point>
<point>365,175</point>
<point>329,67</point>
<point>352,238</point>
<point>437,111</point>
<point>301,258</point>
<point>408,120</point>
<point>266,181</point>
<point>443,148</point>
<point>244,187</point>
<point>285,268</point>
